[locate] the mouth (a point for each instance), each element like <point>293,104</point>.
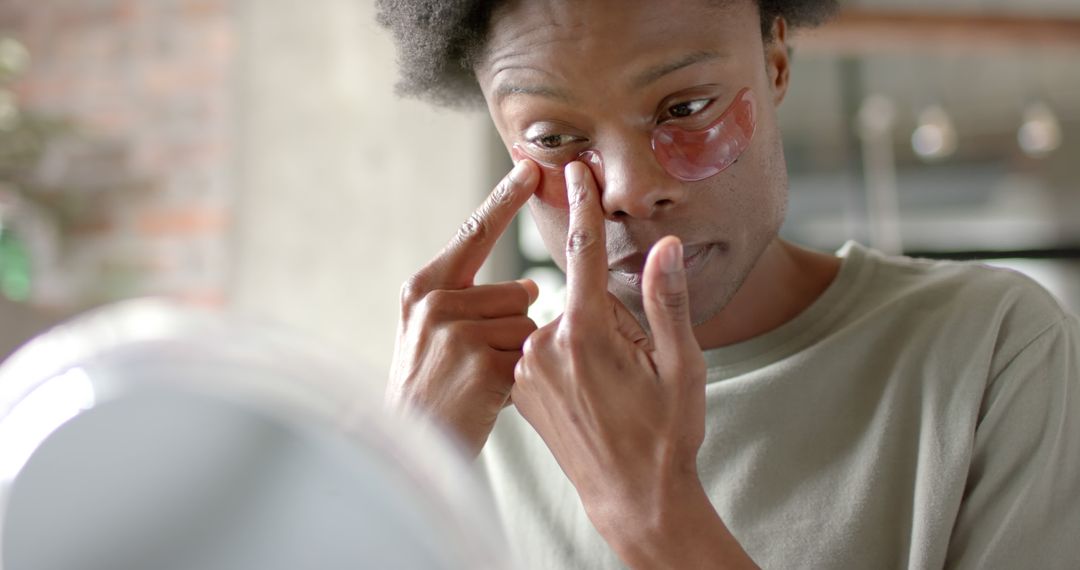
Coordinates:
<point>629,269</point>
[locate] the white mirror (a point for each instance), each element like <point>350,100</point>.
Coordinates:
<point>145,436</point>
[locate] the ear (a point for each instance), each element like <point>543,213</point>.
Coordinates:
<point>778,60</point>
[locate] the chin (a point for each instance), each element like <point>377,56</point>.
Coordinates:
<point>704,305</point>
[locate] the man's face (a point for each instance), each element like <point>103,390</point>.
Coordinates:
<point>562,77</point>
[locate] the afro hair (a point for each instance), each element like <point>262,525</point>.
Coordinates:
<point>438,41</point>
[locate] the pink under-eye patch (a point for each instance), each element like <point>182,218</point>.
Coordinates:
<point>552,188</point>
<point>696,155</point>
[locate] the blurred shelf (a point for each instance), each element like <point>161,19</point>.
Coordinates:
<point>866,32</point>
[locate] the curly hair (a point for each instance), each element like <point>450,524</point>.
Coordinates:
<point>439,41</point>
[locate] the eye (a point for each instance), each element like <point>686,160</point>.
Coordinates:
<point>552,142</point>
<point>687,108</point>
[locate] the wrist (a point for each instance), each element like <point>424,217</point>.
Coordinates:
<point>677,527</point>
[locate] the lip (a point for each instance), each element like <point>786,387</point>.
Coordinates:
<point>629,267</point>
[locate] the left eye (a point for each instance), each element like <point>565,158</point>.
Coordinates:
<point>688,108</point>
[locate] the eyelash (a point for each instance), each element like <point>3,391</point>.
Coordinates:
<point>703,102</point>
<point>539,140</point>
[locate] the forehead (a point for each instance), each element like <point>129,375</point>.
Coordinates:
<point>628,35</point>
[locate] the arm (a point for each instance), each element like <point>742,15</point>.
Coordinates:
<point>683,532</point>
<point>1022,501</point>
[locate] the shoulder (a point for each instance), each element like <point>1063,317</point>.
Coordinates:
<point>966,301</point>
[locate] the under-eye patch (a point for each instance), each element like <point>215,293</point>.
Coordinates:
<point>685,154</point>
<point>696,155</point>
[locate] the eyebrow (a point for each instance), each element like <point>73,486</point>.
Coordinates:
<point>655,73</point>
<point>643,79</point>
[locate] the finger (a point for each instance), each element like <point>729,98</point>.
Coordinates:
<point>483,301</point>
<point>505,363</point>
<point>507,333</point>
<point>628,326</point>
<point>456,265</point>
<point>586,248</point>
<point>667,308</point>
<point>531,288</point>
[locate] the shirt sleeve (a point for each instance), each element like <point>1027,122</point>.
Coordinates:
<point>1021,506</point>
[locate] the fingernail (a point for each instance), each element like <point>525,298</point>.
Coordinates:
<point>516,154</point>
<point>671,258</point>
<point>522,175</point>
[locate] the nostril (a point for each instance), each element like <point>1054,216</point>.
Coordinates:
<point>665,203</point>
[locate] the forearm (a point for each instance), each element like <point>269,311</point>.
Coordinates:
<point>683,532</point>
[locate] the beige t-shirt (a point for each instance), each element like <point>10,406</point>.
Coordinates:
<point>918,415</point>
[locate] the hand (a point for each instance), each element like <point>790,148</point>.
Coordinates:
<point>622,411</point>
<point>458,343</point>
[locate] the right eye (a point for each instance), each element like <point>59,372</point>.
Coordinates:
<point>552,142</point>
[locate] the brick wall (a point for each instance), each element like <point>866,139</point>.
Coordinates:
<point>308,202</point>
<point>145,174</point>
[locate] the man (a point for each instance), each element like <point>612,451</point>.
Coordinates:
<point>714,396</point>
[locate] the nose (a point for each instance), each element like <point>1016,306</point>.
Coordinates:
<point>634,184</point>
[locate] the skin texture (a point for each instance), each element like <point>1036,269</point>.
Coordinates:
<point>658,268</point>
<point>542,76</point>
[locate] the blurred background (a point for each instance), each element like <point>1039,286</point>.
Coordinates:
<point>253,155</point>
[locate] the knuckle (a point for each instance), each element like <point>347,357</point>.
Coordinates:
<point>412,291</point>
<point>434,307</point>
<point>579,241</point>
<point>457,331</point>
<point>451,340</point>
<point>442,304</point>
<point>475,228</point>
<point>437,300</point>
<point>576,194</point>
<point>504,191</point>
<point>482,361</point>
<point>568,338</point>
<point>536,341</point>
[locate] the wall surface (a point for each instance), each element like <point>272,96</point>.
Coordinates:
<point>344,189</point>
<point>139,178</point>
<point>239,153</point>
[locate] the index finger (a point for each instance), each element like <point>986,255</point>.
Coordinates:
<point>456,265</point>
<point>586,243</point>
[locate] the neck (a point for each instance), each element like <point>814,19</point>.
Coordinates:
<point>785,281</point>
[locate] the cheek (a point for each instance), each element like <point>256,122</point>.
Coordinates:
<point>696,155</point>
<point>552,223</point>
<point>759,186</point>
